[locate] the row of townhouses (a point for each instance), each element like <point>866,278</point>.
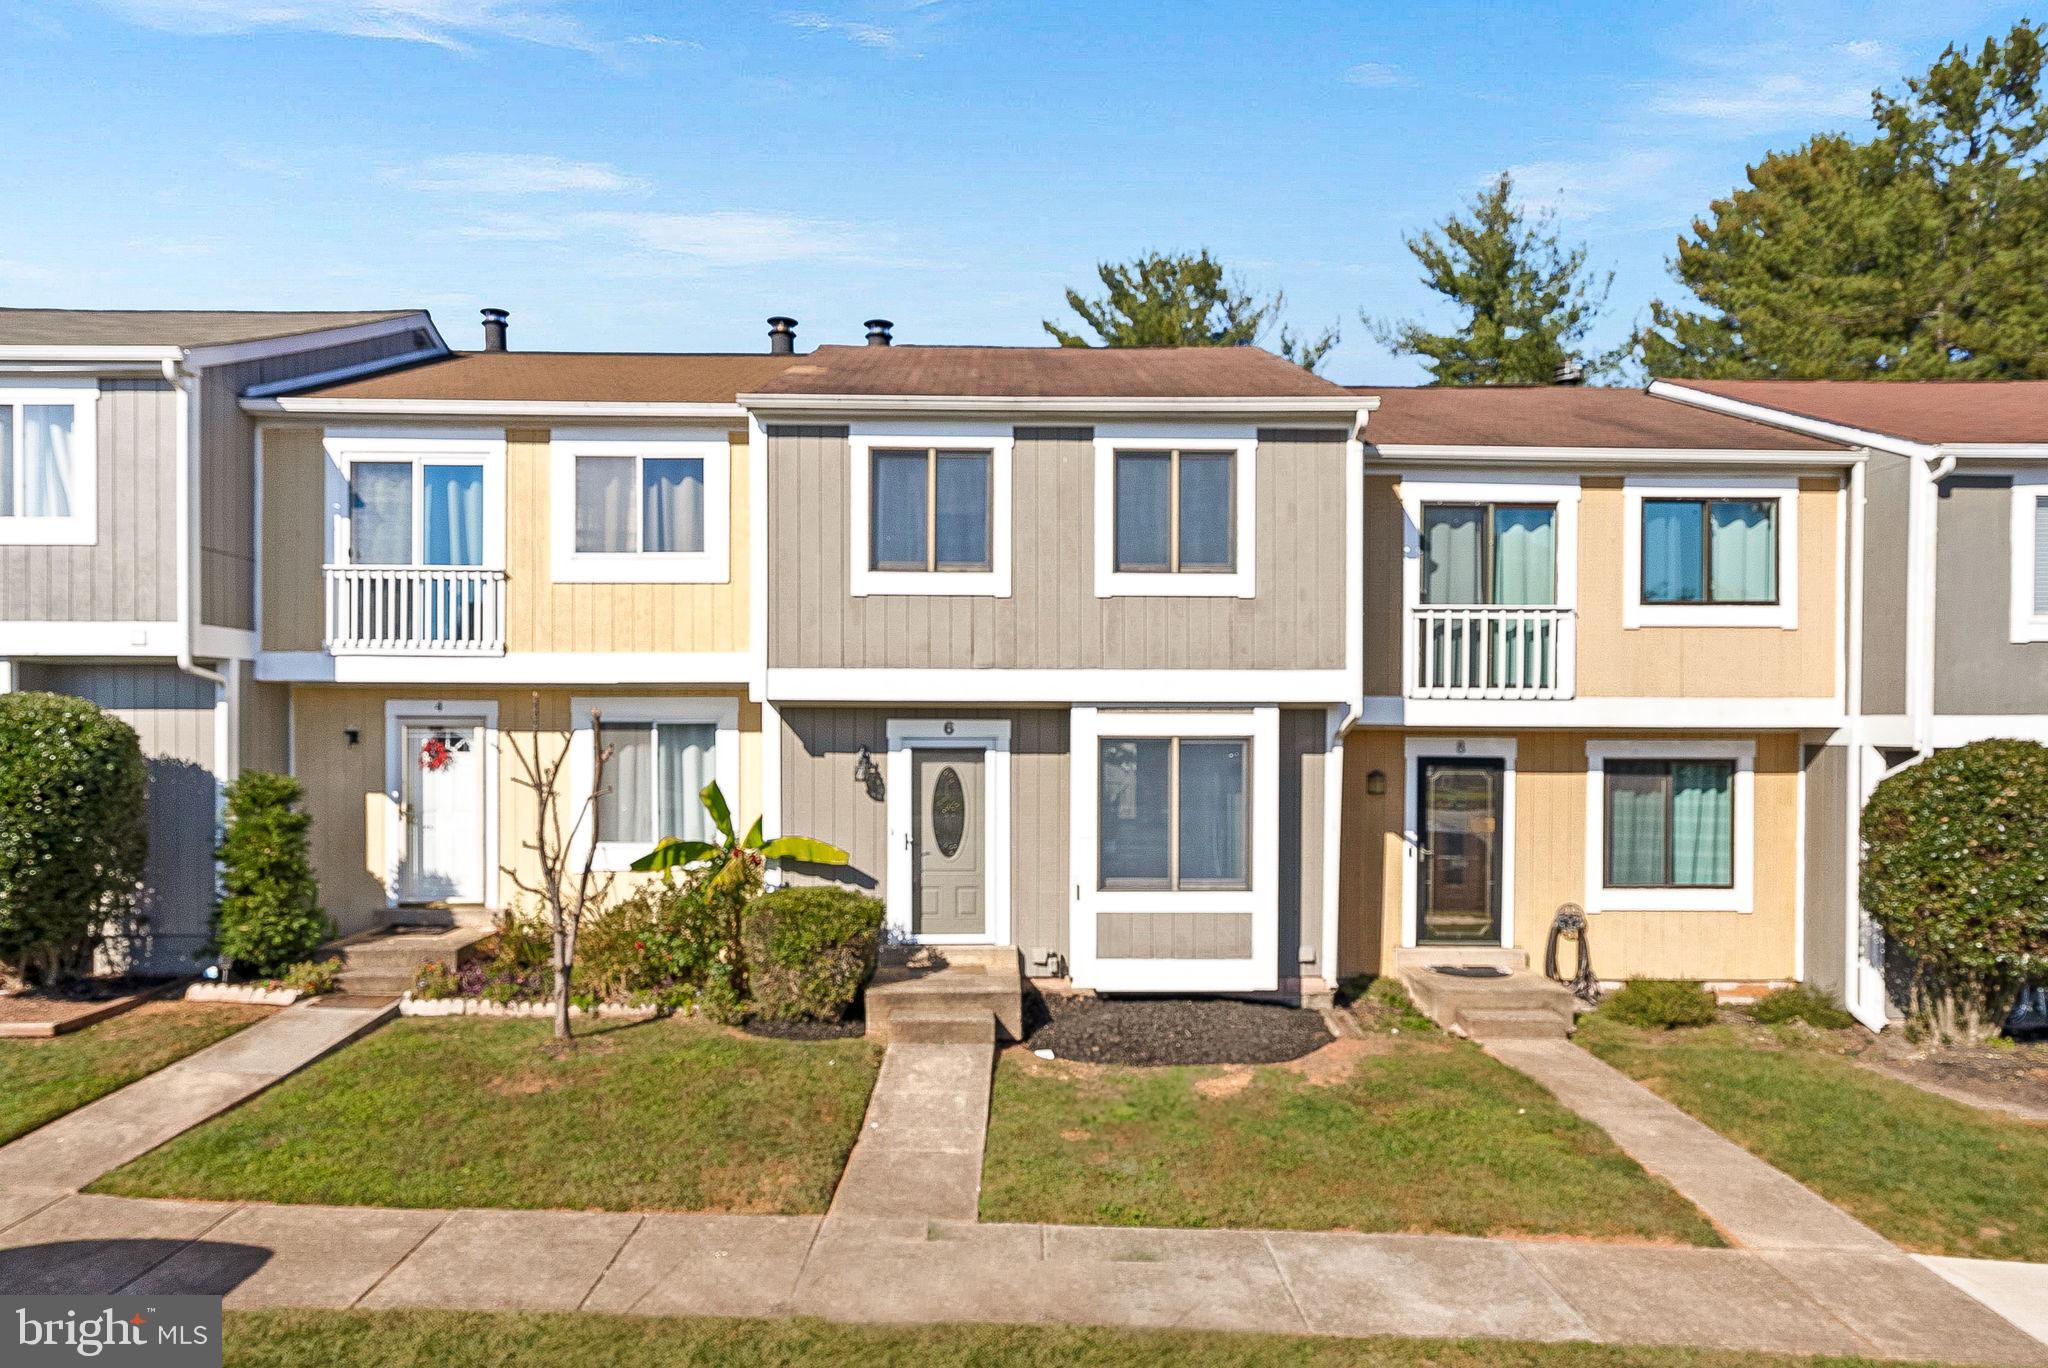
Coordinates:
<point>1177,670</point>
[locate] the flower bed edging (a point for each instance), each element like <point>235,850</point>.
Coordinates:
<point>254,993</point>
<point>443,1007</point>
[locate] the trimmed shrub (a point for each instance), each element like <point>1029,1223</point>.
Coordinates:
<point>657,947</point>
<point>269,916</point>
<point>74,831</point>
<point>1661,1004</point>
<point>1801,1003</point>
<point>1955,871</point>
<point>809,950</point>
<point>312,977</point>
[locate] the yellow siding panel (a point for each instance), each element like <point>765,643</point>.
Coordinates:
<point>1550,867</point>
<point>294,538</point>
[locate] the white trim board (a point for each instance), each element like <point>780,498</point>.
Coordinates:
<point>1260,972</point>
<point>518,667</point>
<point>483,711</point>
<point>1168,687</point>
<point>1242,445</point>
<point>1414,751</point>
<point>863,440</point>
<point>990,736</point>
<point>722,713</point>
<point>1784,613</point>
<point>712,565</point>
<point>1740,897</point>
<point>1606,714</point>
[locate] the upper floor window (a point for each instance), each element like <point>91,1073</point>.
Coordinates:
<point>931,512</point>
<point>1710,555</point>
<point>1175,517</point>
<point>417,512</point>
<point>631,508</point>
<point>1489,553</point>
<point>48,468</point>
<point>2030,556</point>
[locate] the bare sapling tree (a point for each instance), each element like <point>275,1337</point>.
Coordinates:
<point>564,877</point>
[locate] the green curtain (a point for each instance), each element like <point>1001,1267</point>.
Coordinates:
<point>1635,825</point>
<point>1744,551</point>
<point>1524,555</point>
<point>1702,824</point>
<point>1451,553</point>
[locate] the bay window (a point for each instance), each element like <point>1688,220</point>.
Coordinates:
<point>1173,812</point>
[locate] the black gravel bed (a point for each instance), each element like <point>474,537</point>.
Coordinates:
<point>1171,1030</point>
<point>805,1030</point>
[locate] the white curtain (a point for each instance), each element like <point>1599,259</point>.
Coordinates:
<point>1524,555</point>
<point>1744,551</point>
<point>672,505</point>
<point>46,442</point>
<point>686,752</point>
<point>380,513</point>
<point>1451,553</point>
<point>604,503</point>
<point>625,810</point>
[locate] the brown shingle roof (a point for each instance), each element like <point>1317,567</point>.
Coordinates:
<point>1932,411</point>
<point>1561,416</point>
<point>170,327</point>
<point>1052,372</point>
<point>571,377</point>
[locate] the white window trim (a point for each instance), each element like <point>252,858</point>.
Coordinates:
<point>1740,897</point>
<point>345,449</point>
<point>1259,973</point>
<point>862,442</point>
<point>1561,490</point>
<point>79,527</point>
<point>712,565</point>
<point>723,713</point>
<point>1415,751</point>
<point>1636,613</point>
<point>2027,486</point>
<point>1240,442</point>
<point>398,711</point>
<point>993,739</point>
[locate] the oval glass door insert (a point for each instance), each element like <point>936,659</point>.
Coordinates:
<point>949,812</point>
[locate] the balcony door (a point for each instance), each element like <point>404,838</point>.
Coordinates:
<point>416,533</point>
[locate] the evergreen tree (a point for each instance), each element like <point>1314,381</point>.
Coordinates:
<point>1182,300</point>
<point>1527,299</point>
<point>1916,254</point>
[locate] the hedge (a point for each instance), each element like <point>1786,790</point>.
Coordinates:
<point>809,950</point>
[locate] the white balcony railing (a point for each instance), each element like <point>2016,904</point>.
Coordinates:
<point>415,610</point>
<point>1490,652</point>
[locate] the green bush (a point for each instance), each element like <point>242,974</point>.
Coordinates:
<point>1955,871</point>
<point>269,915</point>
<point>1661,1004</point>
<point>312,977</point>
<point>74,831</point>
<point>809,950</point>
<point>659,947</point>
<point>1801,1003</point>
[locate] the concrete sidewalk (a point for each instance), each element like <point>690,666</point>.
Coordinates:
<point>920,1147</point>
<point>862,1269</point>
<point>71,1151</point>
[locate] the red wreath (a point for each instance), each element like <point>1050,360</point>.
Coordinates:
<point>435,755</point>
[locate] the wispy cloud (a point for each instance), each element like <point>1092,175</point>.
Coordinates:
<point>1377,76</point>
<point>718,237</point>
<point>663,40</point>
<point>452,24</point>
<point>1580,189</point>
<point>852,30</point>
<point>492,173</point>
<point>263,164</point>
<point>1764,89</point>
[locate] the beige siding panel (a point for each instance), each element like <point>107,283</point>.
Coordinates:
<point>1303,733</point>
<point>173,716</point>
<point>351,808</point>
<point>545,616</point>
<point>1550,867</point>
<point>1173,935</point>
<point>129,573</point>
<point>294,538</point>
<point>1384,597</point>
<point>1053,618</point>
<point>1704,662</point>
<point>264,739</point>
<point>820,798</point>
<point>1827,883</point>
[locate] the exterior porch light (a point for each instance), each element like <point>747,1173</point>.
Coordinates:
<point>1376,783</point>
<point>868,774</point>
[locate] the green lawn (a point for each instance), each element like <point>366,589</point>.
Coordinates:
<point>448,1339</point>
<point>42,1079</point>
<point>1930,1174</point>
<point>1406,1134</point>
<point>655,1115</point>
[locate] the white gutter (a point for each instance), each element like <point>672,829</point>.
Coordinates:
<point>1334,408</point>
<point>1390,458</point>
<point>1840,433</point>
<point>181,383</point>
<point>309,406</point>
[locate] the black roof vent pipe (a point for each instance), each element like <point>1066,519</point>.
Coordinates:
<point>494,329</point>
<point>781,336</point>
<point>878,331</point>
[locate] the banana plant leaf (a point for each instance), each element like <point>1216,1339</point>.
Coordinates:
<point>804,850</point>
<point>673,853</point>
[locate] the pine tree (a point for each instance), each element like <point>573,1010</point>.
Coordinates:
<point>1916,254</point>
<point>1527,300</point>
<point>1183,300</point>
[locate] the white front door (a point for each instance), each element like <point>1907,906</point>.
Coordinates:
<point>441,808</point>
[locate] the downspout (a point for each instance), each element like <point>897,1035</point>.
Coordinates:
<point>187,509</point>
<point>1921,591</point>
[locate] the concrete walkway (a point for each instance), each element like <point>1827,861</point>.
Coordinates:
<point>78,1147</point>
<point>2017,1291</point>
<point>919,1152</point>
<point>863,1269</point>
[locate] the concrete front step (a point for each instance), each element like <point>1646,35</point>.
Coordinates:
<point>1520,1006</point>
<point>946,980</point>
<point>1482,1024</point>
<point>949,1027</point>
<point>387,963</point>
<point>1512,958</point>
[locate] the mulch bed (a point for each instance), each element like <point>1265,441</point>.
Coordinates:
<point>2013,1074</point>
<point>78,1001</point>
<point>805,1030</point>
<point>1170,1030</point>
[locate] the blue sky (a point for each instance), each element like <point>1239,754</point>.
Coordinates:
<point>664,176</point>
